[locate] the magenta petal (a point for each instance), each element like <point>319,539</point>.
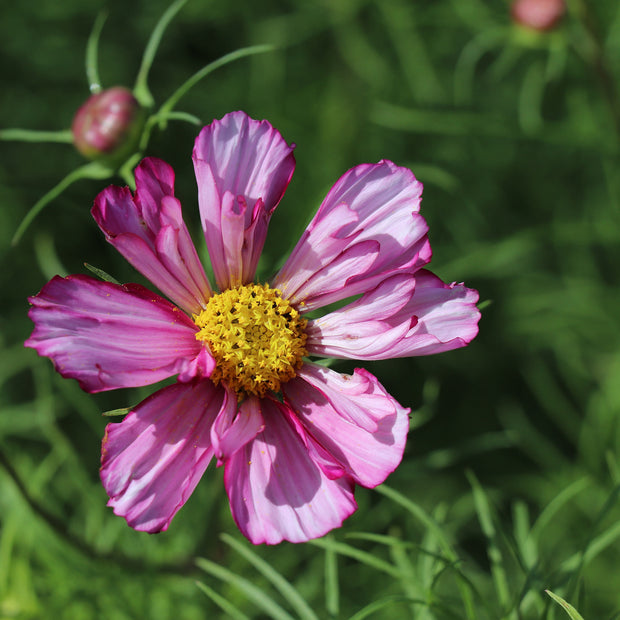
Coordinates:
<point>404,316</point>
<point>149,231</point>
<point>371,202</point>
<point>152,460</point>
<point>234,427</point>
<point>109,336</point>
<point>363,329</point>
<point>276,489</point>
<point>243,168</point>
<point>353,418</point>
<point>446,317</point>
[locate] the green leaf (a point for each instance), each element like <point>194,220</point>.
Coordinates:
<point>116,412</point>
<point>100,273</point>
<point>569,609</point>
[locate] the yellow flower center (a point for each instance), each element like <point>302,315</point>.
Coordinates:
<point>256,337</point>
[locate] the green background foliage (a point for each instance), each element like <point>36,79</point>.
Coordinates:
<point>510,481</point>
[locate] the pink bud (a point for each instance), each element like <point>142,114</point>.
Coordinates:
<point>541,15</point>
<point>108,125</point>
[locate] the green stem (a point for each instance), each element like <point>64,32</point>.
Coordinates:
<point>92,52</point>
<point>141,89</point>
<point>33,135</point>
<point>169,104</point>
<point>88,171</point>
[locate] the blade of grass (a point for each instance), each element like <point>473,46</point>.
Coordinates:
<point>47,257</point>
<point>465,587</point>
<point>485,517</point>
<point>357,554</point>
<point>409,583</point>
<point>375,606</point>
<point>569,609</point>
<point>556,504</point>
<point>253,593</point>
<point>224,604</point>
<point>332,587</point>
<point>279,582</point>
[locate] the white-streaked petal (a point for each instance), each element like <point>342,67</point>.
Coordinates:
<point>278,491</point>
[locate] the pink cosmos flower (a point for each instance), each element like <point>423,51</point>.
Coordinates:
<point>294,437</point>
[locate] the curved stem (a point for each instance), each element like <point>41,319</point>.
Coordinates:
<point>141,89</point>
<point>92,51</point>
<point>88,171</point>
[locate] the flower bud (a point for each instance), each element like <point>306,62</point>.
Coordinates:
<point>108,125</point>
<point>541,15</point>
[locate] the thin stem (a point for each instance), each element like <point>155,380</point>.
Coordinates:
<point>92,54</point>
<point>88,171</point>
<point>141,89</point>
<point>169,104</point>
<point>33,135</point>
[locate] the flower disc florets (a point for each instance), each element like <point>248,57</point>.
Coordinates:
<point>256,337</point>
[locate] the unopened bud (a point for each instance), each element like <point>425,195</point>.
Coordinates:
<point>541,15</point>
<point>108,125</point>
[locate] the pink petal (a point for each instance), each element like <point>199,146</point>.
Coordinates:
<point>362,329</point>
<point>447,317</point>
<point>109,336</point>
<point>149,231</point>
<point>234,427</point>
<point>404,316</point>
<point>371,202</point>
<point>152,460</point>
<point>353,418</point>
<point>276,489</point>
<point>243,168</point>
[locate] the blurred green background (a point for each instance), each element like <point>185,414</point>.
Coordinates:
<point>510,480</point>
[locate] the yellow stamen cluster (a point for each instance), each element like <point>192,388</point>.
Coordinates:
<point>256,337</point>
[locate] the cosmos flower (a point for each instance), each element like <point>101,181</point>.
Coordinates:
<point>294,437</point>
